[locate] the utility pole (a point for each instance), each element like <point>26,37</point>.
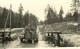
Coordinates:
<point>10,19</point>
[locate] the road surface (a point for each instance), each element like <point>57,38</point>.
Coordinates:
<point>17,44</point>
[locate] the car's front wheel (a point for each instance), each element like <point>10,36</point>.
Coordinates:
<point>21,40</point>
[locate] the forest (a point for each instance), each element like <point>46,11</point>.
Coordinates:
<point>52,16</point>
<point>18,19</point>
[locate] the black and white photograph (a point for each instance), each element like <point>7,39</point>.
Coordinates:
<point>39,23</point>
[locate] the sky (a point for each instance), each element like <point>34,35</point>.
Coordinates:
<point>37,7</point>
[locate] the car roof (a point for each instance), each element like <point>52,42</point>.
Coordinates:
<point>56,32</point>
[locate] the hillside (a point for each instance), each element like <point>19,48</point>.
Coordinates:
<point>70,32</point>
<point>63,27</point>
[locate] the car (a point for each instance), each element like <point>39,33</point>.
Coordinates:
<point>28,35</point>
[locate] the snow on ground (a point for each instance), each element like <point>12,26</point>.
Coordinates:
<point>70,32</point>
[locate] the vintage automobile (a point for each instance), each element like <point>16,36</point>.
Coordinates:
<point>5,36</point>
<point>54,37</point>
<point>9,36</point>
<point>29,35</point>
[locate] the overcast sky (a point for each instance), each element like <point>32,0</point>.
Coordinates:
<point>37,6</point>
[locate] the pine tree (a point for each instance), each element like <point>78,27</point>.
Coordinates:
<point>20,17</point>
<point>26,18</point>
<point>61,15</point>
<point>3,17</point>
<point>75,7</point>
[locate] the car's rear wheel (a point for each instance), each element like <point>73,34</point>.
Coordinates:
<point>36,40</point>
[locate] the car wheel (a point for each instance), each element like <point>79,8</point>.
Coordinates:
<point>36,40</point>
<point>21,40</point>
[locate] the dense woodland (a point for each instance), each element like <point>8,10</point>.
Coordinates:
<point>52,16</point>
<point>18,20</point>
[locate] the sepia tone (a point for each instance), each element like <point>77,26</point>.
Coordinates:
<point>39,24</point>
